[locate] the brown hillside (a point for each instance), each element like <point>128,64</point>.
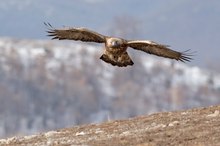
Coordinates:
<point>190,127</point>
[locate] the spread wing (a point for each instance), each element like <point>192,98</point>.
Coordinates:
<point>77,34</point>
<point>159,50</point>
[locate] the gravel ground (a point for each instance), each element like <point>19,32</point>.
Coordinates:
<point>191,127</point>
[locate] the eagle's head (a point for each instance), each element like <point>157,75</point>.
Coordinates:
<point>115,42</point>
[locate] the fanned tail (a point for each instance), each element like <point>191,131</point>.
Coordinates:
<point>122,60</point>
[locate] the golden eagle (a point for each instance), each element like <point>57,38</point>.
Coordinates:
<point>115,51</point>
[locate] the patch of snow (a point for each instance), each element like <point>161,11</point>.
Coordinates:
<point>59,53</point>
<point>167,62</point>
<point>148,63</point>
<point>184,113</point>
<point>51,134</point>
<point>108,73</point>
<point>216,81</point>
<point>195,76</point>
<point>2,43</point>
<point>98,131</point>
<point>153,124</point>
<point>23,52</point>
<point>53,64</point>
<point>93,49</point>
<point>174,123</point>
<point>30,137</point>
<point>156,126</point>
<point>35,52</point>
<point>80,133</point>
<point>215,114</point>
<point>125,133</point>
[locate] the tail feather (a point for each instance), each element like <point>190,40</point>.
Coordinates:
<point>122,60</point>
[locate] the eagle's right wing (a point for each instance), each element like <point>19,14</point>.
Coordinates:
<point>159,50</point>
<point>77,34</point>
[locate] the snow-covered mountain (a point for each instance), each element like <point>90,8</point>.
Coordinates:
<point>48,84</point>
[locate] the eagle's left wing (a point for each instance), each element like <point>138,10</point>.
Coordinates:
<point>77,34</point>
<point>159,50</point>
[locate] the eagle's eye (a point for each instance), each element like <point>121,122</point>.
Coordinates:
<point>115,43</point>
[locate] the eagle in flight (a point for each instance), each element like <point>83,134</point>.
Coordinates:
<point>115,51</point>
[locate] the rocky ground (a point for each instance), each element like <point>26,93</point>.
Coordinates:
<point>191,127</point>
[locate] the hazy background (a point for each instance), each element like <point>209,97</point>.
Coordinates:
<point>183,24</point>
<point>47,84</point>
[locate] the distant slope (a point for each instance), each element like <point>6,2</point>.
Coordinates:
<point>191,127</point>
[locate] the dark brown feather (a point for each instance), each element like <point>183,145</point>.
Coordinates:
<point>121,60</point>
<point>159,50</point>
<point>77,34</point>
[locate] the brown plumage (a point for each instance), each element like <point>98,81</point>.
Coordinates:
<point>115,51</point>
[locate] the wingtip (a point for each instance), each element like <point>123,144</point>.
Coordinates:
<point>49,27</point>
<point>50,31</point>
<point>187,56</point>
<point>48,24</point>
